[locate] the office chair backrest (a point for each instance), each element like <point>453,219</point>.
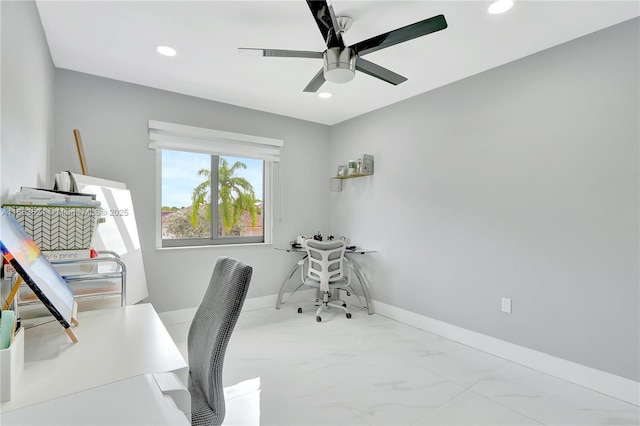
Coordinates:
<point>209,335</point>
<point>326,261</point>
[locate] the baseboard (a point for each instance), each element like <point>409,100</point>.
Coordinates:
<point>270,301</point>
<point>600,381</point>
<point>259,303</point>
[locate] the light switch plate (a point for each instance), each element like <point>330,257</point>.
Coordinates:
<point>506,305</point>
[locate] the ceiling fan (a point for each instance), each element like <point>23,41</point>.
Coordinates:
<point>340,62</point>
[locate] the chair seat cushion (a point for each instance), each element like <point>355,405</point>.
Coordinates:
<point>342,282</point>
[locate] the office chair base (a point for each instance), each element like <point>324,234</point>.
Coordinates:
<point>338,304</point>
<point>324,307</point>
<point>319,318</point>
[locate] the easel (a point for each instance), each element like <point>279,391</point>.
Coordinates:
<point>80,148</point>
<point>12,294</point>
<point>74,322</point>
<point>74,314</point>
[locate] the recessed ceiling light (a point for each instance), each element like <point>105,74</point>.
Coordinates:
<point>166,50</point>
<point>324,95</point>
<point>500,6</point>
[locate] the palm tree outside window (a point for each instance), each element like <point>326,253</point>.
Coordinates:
<point>190,181</point>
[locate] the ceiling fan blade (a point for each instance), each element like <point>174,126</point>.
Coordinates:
<point>327,22</point>
<point>315,83</point>
<point>379,72</point>
<point>334,24</point>
<point>400,35</point>
<point>280,53</point>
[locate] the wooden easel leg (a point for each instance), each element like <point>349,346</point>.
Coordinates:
<point>74,314</point>
<point>74,322</point>
<point>71,335</point>
<point>14,290</point>
<point>80,148</point>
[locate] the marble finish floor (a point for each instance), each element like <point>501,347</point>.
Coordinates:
<point>371,370</point>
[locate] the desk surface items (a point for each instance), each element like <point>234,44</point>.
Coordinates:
<point>34,268</point>
<point>11,354</point>
<point>86,227</point>
<point>62,225</point>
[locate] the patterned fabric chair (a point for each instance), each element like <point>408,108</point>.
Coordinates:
<point>209,335</point>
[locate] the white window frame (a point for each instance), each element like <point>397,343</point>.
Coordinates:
<point>178,137</point>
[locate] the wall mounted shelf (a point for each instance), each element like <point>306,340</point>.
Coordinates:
<point>355,175</point>
<point>364,164</point>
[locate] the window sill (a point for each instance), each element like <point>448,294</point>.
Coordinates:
<point>208,246</point>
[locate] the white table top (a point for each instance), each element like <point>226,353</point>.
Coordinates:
<point>113,345</point>
<point>133,401</point>
<point>298,249</point>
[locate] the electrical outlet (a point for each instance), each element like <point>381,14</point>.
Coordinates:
<point>506,305</point>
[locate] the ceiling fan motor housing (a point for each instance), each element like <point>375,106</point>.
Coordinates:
<point>339,64</point>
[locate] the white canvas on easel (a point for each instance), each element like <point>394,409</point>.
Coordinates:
<point>118,233</point>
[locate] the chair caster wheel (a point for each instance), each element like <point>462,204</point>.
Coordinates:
<point>299,310</point>
<point>344,305</point>
<point>318,319</point>
<point>348,315</point>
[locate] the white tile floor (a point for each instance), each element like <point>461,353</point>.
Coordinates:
<point>371,370</point>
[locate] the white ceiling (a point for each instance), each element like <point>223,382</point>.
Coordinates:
<point>116,39</point>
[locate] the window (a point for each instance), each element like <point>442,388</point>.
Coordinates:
<point>213,187</point>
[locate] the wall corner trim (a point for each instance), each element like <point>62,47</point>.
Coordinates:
<point>600,381</point>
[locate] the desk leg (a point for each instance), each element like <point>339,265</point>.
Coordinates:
<point>284,284</point>
<point>363,283</point>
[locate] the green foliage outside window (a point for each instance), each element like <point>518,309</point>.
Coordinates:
<point>235,196</point>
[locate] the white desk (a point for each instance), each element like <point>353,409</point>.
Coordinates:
<point>134,401</point>
<point>113,345</point>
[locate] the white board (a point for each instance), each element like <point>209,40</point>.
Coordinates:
<point>118,233</point>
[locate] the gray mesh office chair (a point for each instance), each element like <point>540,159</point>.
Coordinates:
<point>209,335</point>
<point>326,272</point>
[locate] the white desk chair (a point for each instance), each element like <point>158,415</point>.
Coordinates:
<point>326,272</point>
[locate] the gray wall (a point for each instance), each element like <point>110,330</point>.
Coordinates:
<point>27,96</point>
<point>113,117</point>
<point>519,182</point>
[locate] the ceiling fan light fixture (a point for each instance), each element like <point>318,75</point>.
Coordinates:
<point>339,65</point>
<point>324,95</point>
<point>500,6</point>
